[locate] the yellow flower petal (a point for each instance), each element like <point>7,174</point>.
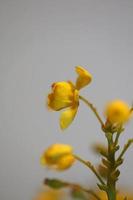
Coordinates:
<point>49,194</point>
<point>120,195</point>
<point>62,95</point>
<point>57,104</point>
<point>65,162</point>
<point>57,150</point>
<point>67,117</point>
<point>84,77</point>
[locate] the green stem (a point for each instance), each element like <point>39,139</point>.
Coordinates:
<point>111,182</point>
<point>92,193</point>
<point>125,149</point>
<point>58,184</point>
<point>120,130</point>
<point>93,109</point>
<point>89,191</point>
<point>92,168</point>
<point>117,138</point>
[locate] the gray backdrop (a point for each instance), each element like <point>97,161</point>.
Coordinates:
<point>41,41</point>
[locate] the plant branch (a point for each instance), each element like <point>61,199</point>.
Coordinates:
<point>120,130</point>
<point>89,191</point>
<point>58,184</point>
<point>91,167</point>
<point>126,146</point>
<point>93,109</point>
<point>111,181</point>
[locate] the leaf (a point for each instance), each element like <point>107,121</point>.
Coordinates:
<point>78,194</point>
<point>103,171</point>
<point>99,148</point>
<point>102,187</point>
<point>118,163</point>
<point>116,148</point>
<point>106,162</point>
<point>115,175</point>
<point>55,183</point>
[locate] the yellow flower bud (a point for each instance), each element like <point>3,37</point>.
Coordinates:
<point>65,162</point>
<point>117,112</point>
<point>58,156</point>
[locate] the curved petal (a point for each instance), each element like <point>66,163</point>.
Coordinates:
<point>57,104</point>
<point>65,162</point>
<point>61,96</point>
<point>68,116</point>
<point>84,77</point>
<point>63,90</point>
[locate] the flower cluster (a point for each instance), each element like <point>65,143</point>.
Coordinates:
<point>66,96</point>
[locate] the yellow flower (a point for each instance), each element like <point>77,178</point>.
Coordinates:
<point>58,156</point>
<point>49,194</point>
<point>65,95</point>
<point>117,112</point>
<point>120,196</point>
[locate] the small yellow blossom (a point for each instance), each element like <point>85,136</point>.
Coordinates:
<point>117,112</point>
<point>119,196</point>
<point>49,194</point>
<point>65,95</point>
<point>58,156</point>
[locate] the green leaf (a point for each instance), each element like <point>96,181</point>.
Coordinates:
<point>118,163</point>
<point>55,183</point>
<point>103,171</point>
<point>102,187</point>
<point>78,194</point>
<point>116,148</point>
<point>109,136</point>
<point>106,162</point>
<point>115,175</point>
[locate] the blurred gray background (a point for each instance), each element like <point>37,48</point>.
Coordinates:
<point>41,41</point>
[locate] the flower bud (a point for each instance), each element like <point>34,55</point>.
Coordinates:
<point>58,156</point>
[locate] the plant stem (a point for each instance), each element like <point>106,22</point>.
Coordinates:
<point>117,138</point>
<point>89,191</point>
<point>93,109</point>
<point>92,168</point>
<point>119,131</point>
<point>92,193</point>
<point>58,184</point>
<point>111,182</point>
<point>125,149</point>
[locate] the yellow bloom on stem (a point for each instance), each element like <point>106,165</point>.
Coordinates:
<point>58,156</point>
<point>49,194</point>
<point>118,112</point>
<point>65,95</point>
<point>119,196</point>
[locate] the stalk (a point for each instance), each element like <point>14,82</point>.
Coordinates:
<point>111,181</point>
